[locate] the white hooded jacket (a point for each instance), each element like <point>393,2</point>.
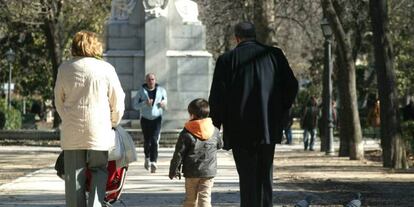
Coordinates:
<point>90,101</point>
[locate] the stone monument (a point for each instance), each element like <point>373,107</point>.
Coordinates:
<point>164,37</point>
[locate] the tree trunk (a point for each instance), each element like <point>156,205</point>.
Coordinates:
<point>56,57</point>
<point>53,42</point>
<point>393,146</point>
<point>264,19</point>
<point>342,111</point>
<point>350,128</point>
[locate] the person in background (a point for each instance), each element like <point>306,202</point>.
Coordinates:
<point>309,122</point>
<point>151,101</point>
<point>253,86</point>
<point>90,100</point>
<point>196,154</point>
<point>287,126</point>
<point>373,117</point>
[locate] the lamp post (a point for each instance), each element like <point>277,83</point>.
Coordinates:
<point>327,84</point>
<point>10,55</point>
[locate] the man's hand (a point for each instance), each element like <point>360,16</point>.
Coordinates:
<point>161,104</point>
<point>150,101</point>
<point>173,175</point>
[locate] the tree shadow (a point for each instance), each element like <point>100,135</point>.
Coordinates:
<point>324,193</point>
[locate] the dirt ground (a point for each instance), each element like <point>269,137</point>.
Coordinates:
<point>329,180</point>
<point>14,164</point>
<point>334,181</point>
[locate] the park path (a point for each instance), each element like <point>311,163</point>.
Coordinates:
<point>43,188</point>
<point>297,174</point>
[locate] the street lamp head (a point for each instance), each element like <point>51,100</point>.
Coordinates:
<point>326,28</point>
<point>10,55</point>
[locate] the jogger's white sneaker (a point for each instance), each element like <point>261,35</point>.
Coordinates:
<point>153,167</point>
<point>147,163</point>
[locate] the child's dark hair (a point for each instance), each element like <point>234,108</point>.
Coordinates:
<point>199,108</point>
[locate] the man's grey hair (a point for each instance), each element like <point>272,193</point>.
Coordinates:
<point>148,74</point>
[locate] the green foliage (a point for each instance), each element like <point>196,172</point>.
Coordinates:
<point>404,63</point>
<point>17,103</point>
<point>22,28</point>
<point>402,36</point>
<point>360,77</point>
<point>13,117</point>
<point>315,71</point>
<point>303,97</point>
<point>407,128</point>
<point>365,82</point>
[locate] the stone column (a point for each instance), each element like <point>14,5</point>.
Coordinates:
<point>175,50</point>
<point>164,37</point>
<point>125,47</point>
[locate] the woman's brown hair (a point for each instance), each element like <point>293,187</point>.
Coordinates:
<point>86,44</point>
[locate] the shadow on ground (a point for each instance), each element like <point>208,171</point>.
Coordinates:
<point>324,193</point>
<point>335,193</point>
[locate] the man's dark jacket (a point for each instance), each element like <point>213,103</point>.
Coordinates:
<point>253,86</point>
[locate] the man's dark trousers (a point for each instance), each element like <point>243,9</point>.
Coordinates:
<point>255,168</point>
<point>151,131</point>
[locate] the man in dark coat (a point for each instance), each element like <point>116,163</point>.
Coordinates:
<point>253,86</point>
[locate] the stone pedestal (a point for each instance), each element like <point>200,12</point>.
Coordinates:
<point>175,50</point>
<point>168,41</point>
<point>125,51</point>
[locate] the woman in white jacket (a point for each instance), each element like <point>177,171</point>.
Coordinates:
<point>90,100</point>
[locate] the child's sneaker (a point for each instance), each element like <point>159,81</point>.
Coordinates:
<point>153,167</point>
<point>147,163</point>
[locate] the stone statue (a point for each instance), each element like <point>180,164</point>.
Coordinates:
<point>121,9</point>
<point>155,8</point>
<point>188,10</point>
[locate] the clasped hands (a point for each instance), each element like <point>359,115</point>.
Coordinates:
<point>150,101</point>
